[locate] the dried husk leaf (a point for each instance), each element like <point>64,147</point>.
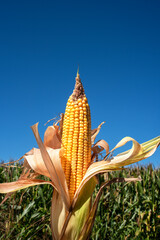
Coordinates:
<point>99,147</point>
<point>36,162</point>
<point>54,168</point>
<point>21,184</point>
<point>58,215</point>
<point>52,138</point>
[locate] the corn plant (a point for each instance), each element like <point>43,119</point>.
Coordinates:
<point>68,157</point>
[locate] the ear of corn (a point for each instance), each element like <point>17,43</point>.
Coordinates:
<point>76,137</point>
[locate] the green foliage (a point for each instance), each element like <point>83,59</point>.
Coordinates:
<point>130,210</point>
<point>125,211</point>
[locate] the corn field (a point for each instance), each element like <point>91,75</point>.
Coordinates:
<point>125,211</point>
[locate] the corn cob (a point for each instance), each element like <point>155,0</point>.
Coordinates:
<point>76,138</point>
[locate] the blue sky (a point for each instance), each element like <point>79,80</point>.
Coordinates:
<point>117,46</point>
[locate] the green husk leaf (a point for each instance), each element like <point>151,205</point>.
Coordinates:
<point>76,221</point>
<point>84,192</point>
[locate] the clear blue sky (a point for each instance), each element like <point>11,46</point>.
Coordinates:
<point>115,43</point>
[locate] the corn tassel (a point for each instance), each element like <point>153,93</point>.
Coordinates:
<point>76,138</point>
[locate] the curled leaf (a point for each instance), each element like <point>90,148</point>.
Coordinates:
<point>136,153</point>
<point>99,147</point>
<point>95,132</point>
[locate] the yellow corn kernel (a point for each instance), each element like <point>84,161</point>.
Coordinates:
<point>76,138</point>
